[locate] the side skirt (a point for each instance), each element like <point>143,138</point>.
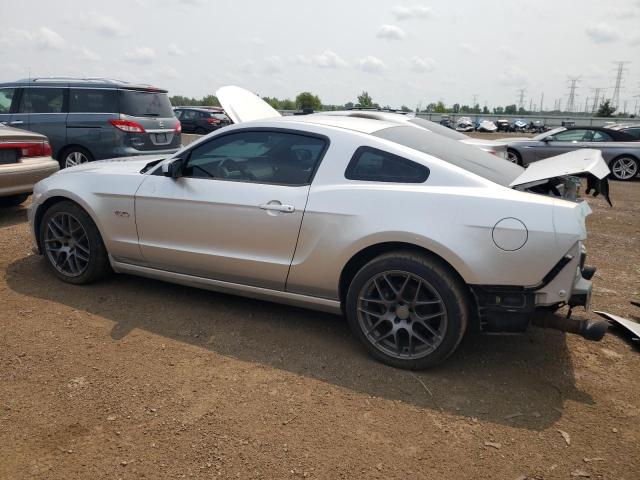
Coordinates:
<point>294,299</point>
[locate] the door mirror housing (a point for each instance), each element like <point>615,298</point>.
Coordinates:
<point>548,139</point>
<point>172,169</point>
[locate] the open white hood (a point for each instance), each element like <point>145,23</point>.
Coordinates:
<point>572,163</point>
<point>243,106</point>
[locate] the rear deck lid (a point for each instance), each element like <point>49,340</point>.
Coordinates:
<point>243,106</point>
<point>571,163</point>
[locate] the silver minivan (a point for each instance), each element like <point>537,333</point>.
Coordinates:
<point>92,119</point>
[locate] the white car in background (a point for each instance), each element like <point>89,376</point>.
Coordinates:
<point>416,238</point>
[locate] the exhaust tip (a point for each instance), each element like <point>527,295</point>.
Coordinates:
<point>594,330</point>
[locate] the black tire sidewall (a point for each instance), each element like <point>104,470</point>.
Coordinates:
<point>446,284</point>
<point>98,258</point>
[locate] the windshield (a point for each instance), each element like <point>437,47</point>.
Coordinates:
<point>469,158</point>
<point>439,129</point>
<point>550,132</point>
<point>145,104</point>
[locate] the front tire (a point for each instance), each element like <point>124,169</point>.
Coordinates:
<point>409,310</point>
<point>72,244</point>
<point>514,157</point>
<point>13,200</point>
<point>624,168</point>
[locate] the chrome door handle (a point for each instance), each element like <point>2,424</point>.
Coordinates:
<point>16,122</point>
<point>277,207</point>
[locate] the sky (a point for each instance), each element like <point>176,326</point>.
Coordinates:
<point>402,52</point>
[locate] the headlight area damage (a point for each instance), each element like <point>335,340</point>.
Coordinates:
<point>555,176</point>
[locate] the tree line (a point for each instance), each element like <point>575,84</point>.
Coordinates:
<point>307,101</point>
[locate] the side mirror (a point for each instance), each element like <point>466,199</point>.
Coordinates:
<point>548,139</point>
<point>172,169</point>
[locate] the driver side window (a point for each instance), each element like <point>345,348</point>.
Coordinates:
<point>570,136</point>
<point>257,156</point>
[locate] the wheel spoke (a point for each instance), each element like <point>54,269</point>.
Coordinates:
<point>369,312</point>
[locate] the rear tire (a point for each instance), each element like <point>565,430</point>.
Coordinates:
<point>13,200</point>
<point>72,244</point>
<point>409,310</point>
<point>72,156</point>
<point>624,168</point>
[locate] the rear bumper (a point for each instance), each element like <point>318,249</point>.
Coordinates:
<point>20,177</point>
<point>511,309</point>
<point>133,152</point>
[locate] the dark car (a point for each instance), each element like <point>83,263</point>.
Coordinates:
<point>92,119</point>
<point>631,129</point>
<point>201,120</point>
<point>620,150</point>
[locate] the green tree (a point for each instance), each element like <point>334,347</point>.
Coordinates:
<point>485,110</point>
<point>498,110</point>
<point>511,109</point>
<point>606,109</point>
<point>365,100</point>
<point>441,108</point>
<point>430,108</point>
<point>210,101</point>
<point>349,105</point>
<point>455,108</point>
<point>307,100</point>
<point>287,104</point>
<point>404,108</point>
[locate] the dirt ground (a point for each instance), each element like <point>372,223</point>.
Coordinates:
<point>132,378</point>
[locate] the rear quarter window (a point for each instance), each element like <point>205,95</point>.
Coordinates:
<point>373,165</point>
<point>141,103</point>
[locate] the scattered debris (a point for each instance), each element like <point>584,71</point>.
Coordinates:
<point>513,415</point>
<point>566,436</point>
<point>111,418</point>
<point>580,473</point>
<point>594,459</point>
<point>495,445</point>
<point>629,325</point>
<point>421,383</point>
<point>610,354</point>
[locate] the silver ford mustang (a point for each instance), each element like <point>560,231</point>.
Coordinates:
<point>416,238</point>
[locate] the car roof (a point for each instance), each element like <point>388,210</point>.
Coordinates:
<point>358,124</point>
<point>617,135</point>
<point>96,82</point>
<point>202,109</point>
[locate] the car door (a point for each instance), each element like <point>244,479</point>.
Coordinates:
<point>90,110</point>
<point>188,121</point>
<point>44,110</point>
<point>561,142</point>
<point>235,211</point>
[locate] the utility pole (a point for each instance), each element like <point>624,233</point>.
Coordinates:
<point>475,100</point>
<point>531,104</point>
<point>541,102</point>
<point>615,98</point>
<point>521,98</point>
<point>573,85</point>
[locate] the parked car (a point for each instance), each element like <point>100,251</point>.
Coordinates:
<point>445,121</point>
<point>25,159</point>
<point>632,129</point>
<point>464,124</point>
<point>200,120</point>
<point>92,119</point>
<point>417,238</point>
<point>619,149</point>
<point>519,125</point>
<point>503,125</point>
<point>486,126</point>
<point>491,146</point>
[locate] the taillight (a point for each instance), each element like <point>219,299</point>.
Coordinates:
<point>213,121</point>
<point>28,149</point>
<point>178,128</point>
<point>127,126</point>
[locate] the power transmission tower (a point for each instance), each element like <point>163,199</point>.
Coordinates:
<point>573,85</point>
<point>475,100</point>
<point>597,93</point>
<point>521,98</point>
<point>615,98</point>
<point>541,102</point>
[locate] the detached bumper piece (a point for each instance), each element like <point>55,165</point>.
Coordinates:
<point>589,329</point>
